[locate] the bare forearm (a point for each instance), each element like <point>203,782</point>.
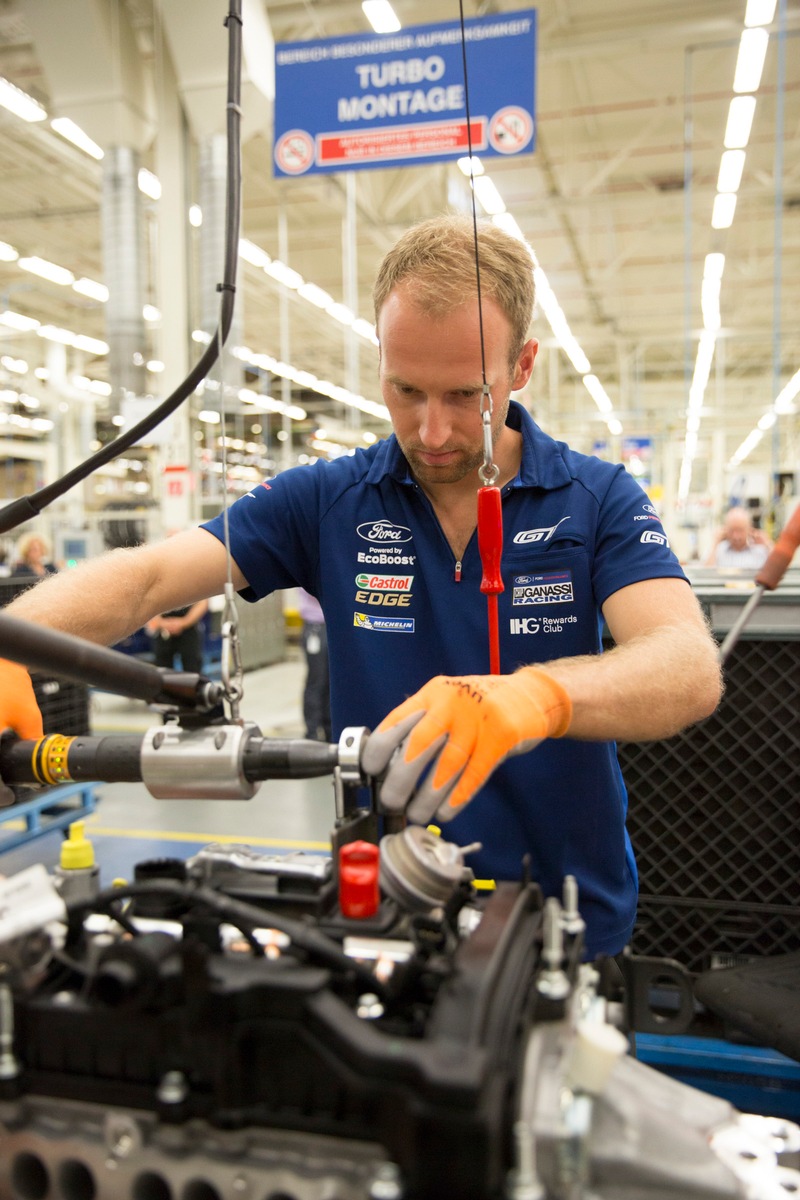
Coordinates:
<point>651,687</point>
<point>103,600</point>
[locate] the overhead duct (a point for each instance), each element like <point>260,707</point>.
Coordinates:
<point>122,260</point>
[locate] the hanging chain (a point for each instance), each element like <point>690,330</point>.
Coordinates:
<point>231,671</point>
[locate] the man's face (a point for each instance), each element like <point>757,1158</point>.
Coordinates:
<point>431,381</point>
<point>737,531</point>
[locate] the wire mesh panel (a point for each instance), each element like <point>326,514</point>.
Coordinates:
<point>714,816</point>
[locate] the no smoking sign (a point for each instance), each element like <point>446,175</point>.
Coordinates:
<point>510,130</point>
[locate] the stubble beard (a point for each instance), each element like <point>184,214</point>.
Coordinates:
<point>467,462</point>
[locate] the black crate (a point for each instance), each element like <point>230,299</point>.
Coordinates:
<point>713,817</point>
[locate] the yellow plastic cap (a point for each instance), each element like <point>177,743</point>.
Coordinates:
<point>76,851</point>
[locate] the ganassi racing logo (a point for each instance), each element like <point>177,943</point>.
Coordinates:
<point>553,588</point>
<point>526,536</point>
<point>384,532</point>
<point>650,535</point>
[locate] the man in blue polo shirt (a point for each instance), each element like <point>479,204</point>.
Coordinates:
<point>386,539</point>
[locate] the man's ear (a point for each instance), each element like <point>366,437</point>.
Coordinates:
<point>524,365</point>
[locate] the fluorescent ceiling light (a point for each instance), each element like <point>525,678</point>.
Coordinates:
<point>598,393</point>
<point>341,313</point>
<point>614,426</point>
<point>714,266</point>
<point>767,421</point>
<point>91,345</point>
<point>759,12</point>
<point>365,330</point>
<point>73,133</point>
<point>91,288</point>
<point>507,223</point>
<point>381,16</point>
<point>470,166</point>
<point>253,254</point>
<point>315,295</point>
<point>52,333</point>
<point>710,304</point>
<point>8,253</point>
<point>783,402</point>
<point>47,270</point>
<point>195,216</point>
<point>98,386</point>
<point>283,274</point>
<point>750,61</point>
<point>208,416</point>
<point>20,103</point>
<point>17,366</point>
<point>731,166</point>
<point>488,195</point>
<point>740,121</point>
<point>18,321</point>
<point>149,183</point>
<point>724,208</point>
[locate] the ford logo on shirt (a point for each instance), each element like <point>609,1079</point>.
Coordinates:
<point>383,532</point>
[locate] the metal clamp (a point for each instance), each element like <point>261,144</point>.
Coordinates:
<point>197,764</point>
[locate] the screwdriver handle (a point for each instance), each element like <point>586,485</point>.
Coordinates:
<point>781,554</point>
<point>490,539</point>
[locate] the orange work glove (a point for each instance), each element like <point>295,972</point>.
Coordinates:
<point>18,708</point>
<point>464,726</point>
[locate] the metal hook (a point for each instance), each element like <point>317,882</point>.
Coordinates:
<point>489,472</point>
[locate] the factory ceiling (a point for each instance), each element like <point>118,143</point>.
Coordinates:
<point>632,102</point>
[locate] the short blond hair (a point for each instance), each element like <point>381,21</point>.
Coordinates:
<point>439,255</point>
<point>26,541</point>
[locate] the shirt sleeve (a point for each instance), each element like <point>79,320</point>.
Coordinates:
<point>274,532</point>
<point>631,542</point>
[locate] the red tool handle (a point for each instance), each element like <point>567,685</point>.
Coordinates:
<point>490,546</point>
<point>781,555</point>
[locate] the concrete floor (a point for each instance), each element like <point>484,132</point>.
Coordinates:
<point>129,825</point>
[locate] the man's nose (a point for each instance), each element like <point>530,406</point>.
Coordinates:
<point>435,428</point>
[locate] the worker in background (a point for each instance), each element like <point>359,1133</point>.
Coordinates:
<point>179,634</point>
<point>317,686</point>
<point>33,557</point>
<point>386,539</point>
<point>738,545</point>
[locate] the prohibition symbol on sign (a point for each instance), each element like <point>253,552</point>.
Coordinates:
<point>510,130</point>
<point>294,152</point>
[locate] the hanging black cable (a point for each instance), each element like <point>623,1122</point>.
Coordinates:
<point>27,507</point>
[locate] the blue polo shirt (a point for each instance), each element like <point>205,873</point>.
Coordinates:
<point>360,534</point>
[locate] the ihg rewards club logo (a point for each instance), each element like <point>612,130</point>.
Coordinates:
<point>384,591</point>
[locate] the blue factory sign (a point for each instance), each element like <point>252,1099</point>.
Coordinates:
<point>390,100</point>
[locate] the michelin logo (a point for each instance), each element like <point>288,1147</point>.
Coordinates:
<point>383,624</point>
<point>555,588</point>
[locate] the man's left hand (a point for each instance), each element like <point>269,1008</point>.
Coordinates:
<point>462,727</point>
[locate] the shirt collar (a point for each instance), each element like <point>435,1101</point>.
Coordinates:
<point>542,464</point>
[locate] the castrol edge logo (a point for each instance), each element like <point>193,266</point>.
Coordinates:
<point>384,583</point>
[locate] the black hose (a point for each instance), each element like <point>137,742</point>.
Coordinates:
<point>27,507</point>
